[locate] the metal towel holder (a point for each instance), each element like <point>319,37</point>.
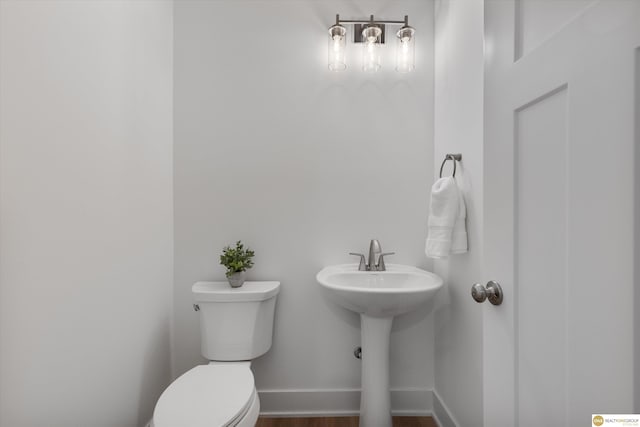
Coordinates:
<point>454,158</point>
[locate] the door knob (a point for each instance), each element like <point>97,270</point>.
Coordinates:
<point>492,292</point>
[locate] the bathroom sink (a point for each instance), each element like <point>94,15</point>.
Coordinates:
<point>378,296</point>
<point>398,290</point>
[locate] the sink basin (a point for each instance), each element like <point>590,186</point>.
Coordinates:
<point>398,290</point>
<point>378,296</point>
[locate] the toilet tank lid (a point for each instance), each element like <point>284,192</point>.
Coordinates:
<point>223,292</point>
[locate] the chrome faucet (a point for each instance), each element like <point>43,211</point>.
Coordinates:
<point>374,254</point>
<point>376,258</point>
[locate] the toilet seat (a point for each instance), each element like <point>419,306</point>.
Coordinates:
<point>208,396</point>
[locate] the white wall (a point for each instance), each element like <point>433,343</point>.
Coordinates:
<point>636,242</point>
<point>304,166</point>
<point>458,129</point>
<point>85,211</point>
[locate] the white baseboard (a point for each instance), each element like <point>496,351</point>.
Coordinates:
<point>332,402</point>
<point>345,402</point>
<point>441,413</point>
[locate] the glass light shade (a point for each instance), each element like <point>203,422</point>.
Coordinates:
<point>406,50</point>
<point>337,47</point>
<point>371,49</point>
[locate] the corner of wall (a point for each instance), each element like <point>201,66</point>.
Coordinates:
<point>459,85</point>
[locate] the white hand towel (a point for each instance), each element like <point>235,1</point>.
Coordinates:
<point>459,235</point>
<point>442,217</point>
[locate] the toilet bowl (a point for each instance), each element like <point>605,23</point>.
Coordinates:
<point>236,326</point>
<point>210,395</point>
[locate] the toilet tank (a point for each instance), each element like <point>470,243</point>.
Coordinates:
<point>235,323</point>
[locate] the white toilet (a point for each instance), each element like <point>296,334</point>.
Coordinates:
<point>236,326</point>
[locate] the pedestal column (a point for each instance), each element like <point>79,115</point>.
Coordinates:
<point>375,399</point>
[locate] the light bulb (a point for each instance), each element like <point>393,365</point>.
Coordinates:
<point>371,49</point>
<point>337,46</point>
<point>405,51</point>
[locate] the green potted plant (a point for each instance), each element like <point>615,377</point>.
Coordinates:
<point>237,260</point>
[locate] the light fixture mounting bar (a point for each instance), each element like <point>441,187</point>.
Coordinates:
<point>371,21</point>
<point>360,24</point>
<point>359,21</point>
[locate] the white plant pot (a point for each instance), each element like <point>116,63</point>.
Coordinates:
<point>237,279</point>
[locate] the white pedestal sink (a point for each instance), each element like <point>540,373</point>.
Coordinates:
<point>377,296</point>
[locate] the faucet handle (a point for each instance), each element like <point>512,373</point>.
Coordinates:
<point>363,263</point>
<point>381,266</point>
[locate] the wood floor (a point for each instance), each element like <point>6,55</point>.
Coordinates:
<point>340,422</point>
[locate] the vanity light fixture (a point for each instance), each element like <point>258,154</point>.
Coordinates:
<point>371,34</point>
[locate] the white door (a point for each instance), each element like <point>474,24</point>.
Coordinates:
<point>561,80</point>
